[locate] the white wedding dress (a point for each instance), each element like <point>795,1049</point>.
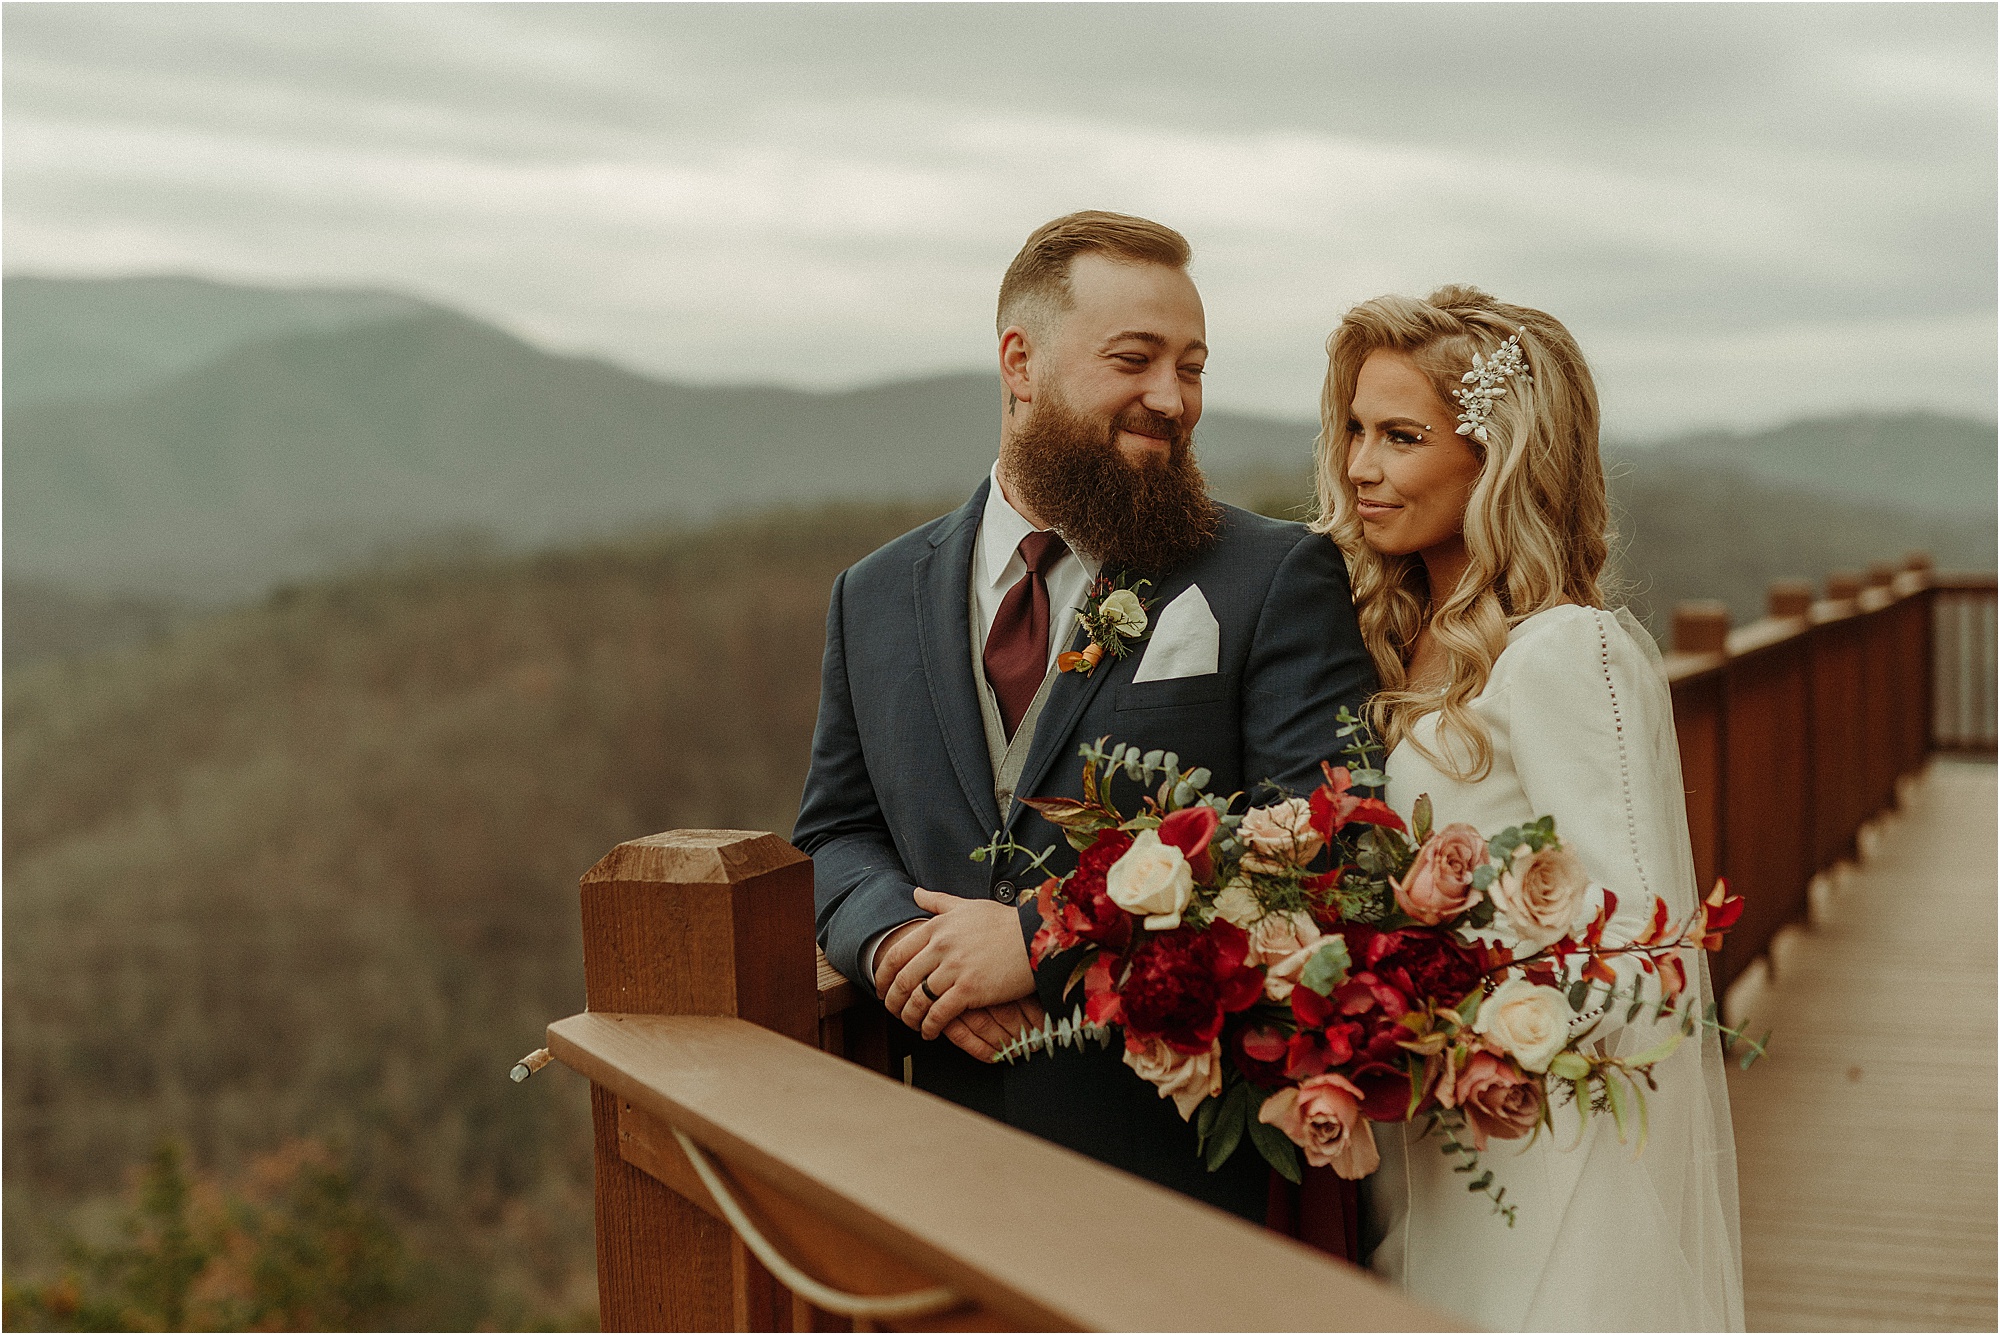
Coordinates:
<point>1582,729</point>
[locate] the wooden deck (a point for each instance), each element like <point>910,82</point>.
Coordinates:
<point>1866,1142</point>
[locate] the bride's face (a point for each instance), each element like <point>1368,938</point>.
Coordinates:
<point>1412,473</point>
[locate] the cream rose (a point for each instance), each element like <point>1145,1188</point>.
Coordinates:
<point>1237,904</point>
<point>1438,884</point>
<point>1281,976</point>
<point>1278,836</point>
<point>1539,893</point>
<point>1322,1116</point>
<point>1122,611</point>
<point>1530,1022</point>
<point>1277,935</point>
<point>1186,1079</point>
<point>1152,879</point>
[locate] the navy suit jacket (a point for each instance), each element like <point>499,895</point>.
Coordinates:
<point>901,786</point>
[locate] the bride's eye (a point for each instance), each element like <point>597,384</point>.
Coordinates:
<point>1353,427</point>
<point>1404,436</point>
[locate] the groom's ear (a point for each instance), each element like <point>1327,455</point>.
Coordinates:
<point>1017,365</point>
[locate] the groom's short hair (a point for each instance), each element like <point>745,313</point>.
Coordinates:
<point>1036,292</point>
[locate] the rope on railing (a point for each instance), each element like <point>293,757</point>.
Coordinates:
<point>901,1306</point>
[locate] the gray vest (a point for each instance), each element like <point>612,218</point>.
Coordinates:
<point>1009,757</point>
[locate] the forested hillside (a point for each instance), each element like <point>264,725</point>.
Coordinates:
<point>309,869</point>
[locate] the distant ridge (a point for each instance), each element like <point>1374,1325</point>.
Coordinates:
<point>183,438</point>
<point>1912,458</point>
<point>95,338</point>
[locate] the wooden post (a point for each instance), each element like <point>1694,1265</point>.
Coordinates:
<point>1790,598</point>
<point>1701,627</point>
<point>1843,585</point>
<point>693,922</point>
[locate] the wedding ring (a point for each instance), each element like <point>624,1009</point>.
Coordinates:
<point>926,986</point>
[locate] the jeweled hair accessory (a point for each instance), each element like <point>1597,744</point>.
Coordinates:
<point>1488,378</point>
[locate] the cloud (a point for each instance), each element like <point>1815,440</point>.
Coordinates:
<point>823,195</point>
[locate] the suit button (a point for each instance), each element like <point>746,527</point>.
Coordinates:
<point>1004,892</point>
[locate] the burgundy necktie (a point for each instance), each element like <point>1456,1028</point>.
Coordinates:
<point>1017,647</point>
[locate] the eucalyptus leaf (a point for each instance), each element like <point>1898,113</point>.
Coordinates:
<point>1579,993</point>
<point>1328,967</point>
<point>1569,1065</point>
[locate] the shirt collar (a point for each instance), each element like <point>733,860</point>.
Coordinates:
<point>1001,529</point>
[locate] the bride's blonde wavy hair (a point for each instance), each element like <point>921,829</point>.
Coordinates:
<point>1537,527</point>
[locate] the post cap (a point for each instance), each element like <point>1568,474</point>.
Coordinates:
<point>1701,626</point>
<point>683,857</point>
<point>1843,585</point>
<point>1790,597</point>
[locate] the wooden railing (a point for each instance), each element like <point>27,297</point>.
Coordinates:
<point>1796,729</point>
<point>731,1151</point>
<point>738,1089</point>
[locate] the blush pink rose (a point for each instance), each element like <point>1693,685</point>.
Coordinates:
<point>1497,1097</point>
<point>1438,884</point>
<point>1186,1078</point>
<point>1322,1116</point>
<point>1539,893</point>
<point>1278,836</point>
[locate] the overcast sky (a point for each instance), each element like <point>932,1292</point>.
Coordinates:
<point>1744,213</point>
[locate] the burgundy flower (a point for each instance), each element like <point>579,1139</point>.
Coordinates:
<point>1424,963</point>
<point>1259,1052</point>
<point>1088,912</point>
<point>1183,982</point>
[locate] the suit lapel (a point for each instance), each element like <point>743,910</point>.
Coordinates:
<point>1072,694</point>
<point>943,578</point>
<point>1068,698</point>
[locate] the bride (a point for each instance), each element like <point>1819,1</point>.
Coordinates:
<point>1459,473</point>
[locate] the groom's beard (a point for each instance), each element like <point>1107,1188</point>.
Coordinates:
<point>1145,517</point>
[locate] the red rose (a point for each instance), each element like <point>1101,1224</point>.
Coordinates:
<point>1191,831</point>
<point>1183,982</point>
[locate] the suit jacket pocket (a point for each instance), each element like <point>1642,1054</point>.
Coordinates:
<point>1173,693</point>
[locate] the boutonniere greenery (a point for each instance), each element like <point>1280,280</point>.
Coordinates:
<point>1116,614</point>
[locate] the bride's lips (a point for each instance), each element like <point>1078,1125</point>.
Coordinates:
<point>1374,509</point>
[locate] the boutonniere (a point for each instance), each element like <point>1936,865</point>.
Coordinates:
<point>1116,616</point>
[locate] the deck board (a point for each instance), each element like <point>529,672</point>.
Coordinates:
<point>1866,1143</point>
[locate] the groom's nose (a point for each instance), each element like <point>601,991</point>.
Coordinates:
<point>1164,394</point>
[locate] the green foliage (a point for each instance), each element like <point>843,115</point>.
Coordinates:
<point>1328,967</point>
<point>302,1251</point>
<point>308,869</point>
<point>1276,1147</point>
<point>1072,1031</point>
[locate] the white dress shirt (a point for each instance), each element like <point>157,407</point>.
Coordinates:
<point>997,567</point>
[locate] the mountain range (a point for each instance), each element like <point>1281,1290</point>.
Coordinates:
<point>176,437</point>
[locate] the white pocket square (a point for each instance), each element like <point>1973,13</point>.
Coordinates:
<point>1185,640</point>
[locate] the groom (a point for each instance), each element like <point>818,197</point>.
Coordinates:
<point>941,700</point>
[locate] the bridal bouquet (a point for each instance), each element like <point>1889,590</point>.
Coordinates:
<point>1299,970</point>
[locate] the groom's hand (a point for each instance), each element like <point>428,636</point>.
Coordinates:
<point>973,957</point>
<point>898,948</point>
<point>983,1032</point>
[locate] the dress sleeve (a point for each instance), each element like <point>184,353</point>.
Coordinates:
<point>1590,726</point>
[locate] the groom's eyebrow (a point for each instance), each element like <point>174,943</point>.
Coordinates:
<point>1151,339</point>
